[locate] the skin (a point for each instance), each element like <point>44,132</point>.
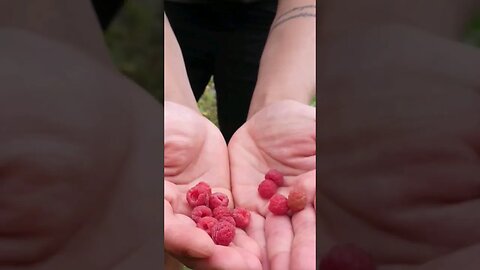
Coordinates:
<point>190,143</point>
<point>415,153</point>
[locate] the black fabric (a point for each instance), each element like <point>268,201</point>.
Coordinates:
<point>106,10</point>
<point>214,1</point>
<point>226,41</point>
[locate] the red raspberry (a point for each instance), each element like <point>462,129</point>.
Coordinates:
<point>199,195</point>
<point>347,257</point>
<point>297,200</point>
<point>228,219</point>
<point>242,217</point>
<point>267,188</point>
<point>223,233</point>
<point>218,199</point>
<point>200,212</point>
<point>278,205</point>
<point>221,211</point>
<point>275,176</point>
<point>206,224</point>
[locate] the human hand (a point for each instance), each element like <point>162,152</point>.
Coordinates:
<point>399,163</point>
<point>79,156</point>
<point>280,136</point>
<point>196,151</point>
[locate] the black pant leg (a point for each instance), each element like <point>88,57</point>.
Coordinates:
<point>192,26</point>
<point>237,65</point>
<point>107,10</point>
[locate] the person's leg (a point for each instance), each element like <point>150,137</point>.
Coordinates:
<point>238,63</point>
<point>191,24</point>
<point>107,10</point>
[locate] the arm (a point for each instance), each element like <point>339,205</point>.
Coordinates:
<point>177,87</point>
<point>70,21</point>
<point>287,68</point>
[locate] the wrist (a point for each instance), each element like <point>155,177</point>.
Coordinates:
<point>265,96</point>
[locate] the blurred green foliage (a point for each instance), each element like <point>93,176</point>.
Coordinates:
<point>135,39</point>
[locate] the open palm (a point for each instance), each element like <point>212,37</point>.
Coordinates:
<point>196,151</point>
<point>281,136</point>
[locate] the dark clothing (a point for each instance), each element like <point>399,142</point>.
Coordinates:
<point>106,10</point>
<point>224,40</point>
<point>213,1</point>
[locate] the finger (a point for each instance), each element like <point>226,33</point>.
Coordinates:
<point>245,242</point>
<point>183,238</point>
<point>279,236</point>
<point>256,231</point>
<point>227,258</point>
<point>304,241</point>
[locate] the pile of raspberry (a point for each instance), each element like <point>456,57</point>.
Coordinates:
<point>279,204</point>
<point>212,214</point>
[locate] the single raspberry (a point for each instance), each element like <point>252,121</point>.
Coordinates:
<point>222,211</point>
<point>204,186</point>
<point>228,219</point>
<point>267,188</point>
<point>200,212</point>
<point>275,176</point>
<point>218,199</point>
<point>297,200</point>
<point>206,224</point>
<point>347,257</point>
<point>199,194</point>
<point>278,205</point>
<point>223,233</point>
<point>242,217</point>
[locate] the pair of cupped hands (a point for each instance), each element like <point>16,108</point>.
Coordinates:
<point>280,136</point>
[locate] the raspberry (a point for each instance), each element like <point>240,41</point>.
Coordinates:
<point>242,217</point>
<point>275,176</point>
<point>267,188</point>
<point>206,224</point>
<point>278,205</point>
<point>223,233</point>
<point>200,212</point>
<point>297,200</point>
<point>347,257</point>
<point>228,219</point>
<point>218,199</point>
<point>221,211</point>
<point>199,195</point>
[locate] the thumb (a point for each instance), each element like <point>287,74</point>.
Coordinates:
<point>183,238</point>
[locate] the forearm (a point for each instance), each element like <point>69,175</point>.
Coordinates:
<point>176,86</point>
<point>70,21</point>
<point>287,68</point>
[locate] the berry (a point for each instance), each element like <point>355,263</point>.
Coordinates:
<point>241,217</point>
<point>200,212</point>
<point>347,257</point>
<point>223,233</point>
<point>297,200</point>
<point>206,224</point>
<point>221,211</point>
<point>218,199</point>
<point>267,188</point>
<point>228,219</point>
<point>278,205</point>
<point>275,176</point>
<point>199,195</point>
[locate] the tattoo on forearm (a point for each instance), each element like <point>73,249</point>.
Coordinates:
<point>298,12</point>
